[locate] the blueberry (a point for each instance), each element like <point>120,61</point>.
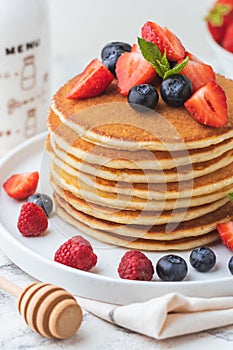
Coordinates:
<point>202,259</point>
<point>230,265</point>
<point>44,201</point>
<point>111,59</point>
<point>141,96</point>
<point>176,89</point>
<point>111,52</point>
<point>114,46</point>
<point>171,268</point>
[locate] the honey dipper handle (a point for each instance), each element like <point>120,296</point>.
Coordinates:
<point>10,287</point>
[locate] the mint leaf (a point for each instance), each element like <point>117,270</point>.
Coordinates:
<point>150,50</point>
<point>153,55</point>
<point>165,62</point>
<point>230,196</point>
<point>177,68</point>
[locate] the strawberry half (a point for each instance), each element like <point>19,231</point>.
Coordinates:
<point>225,231</point>
<point>132,69</point>
<point>164,39</point>
<point>197,71</point>
<point>135,48</point>
<point>21,186</point>
<point>91,82</point>
<point>208,105</point>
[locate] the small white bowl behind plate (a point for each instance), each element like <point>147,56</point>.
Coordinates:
<point>224,58</point>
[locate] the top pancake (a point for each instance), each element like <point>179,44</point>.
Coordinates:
<point>109,121</point>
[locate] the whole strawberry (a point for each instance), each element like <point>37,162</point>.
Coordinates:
<point>78,253</point>
<point>134,265</point>
<point>220,16</point>
<point>227,41</point>
<point>32,220</point>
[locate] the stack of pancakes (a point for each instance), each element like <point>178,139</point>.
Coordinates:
<point>152,181</point>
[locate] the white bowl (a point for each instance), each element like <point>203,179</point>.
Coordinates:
<point>224,58</point>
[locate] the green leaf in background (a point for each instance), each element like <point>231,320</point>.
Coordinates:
<point>216,14</point>
<point>230,196</point>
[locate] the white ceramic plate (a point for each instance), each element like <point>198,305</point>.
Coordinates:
<point>35,255</point>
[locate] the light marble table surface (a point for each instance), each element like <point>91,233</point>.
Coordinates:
<point>94,333</point>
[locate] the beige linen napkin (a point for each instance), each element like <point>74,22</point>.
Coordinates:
<point>167,316</point>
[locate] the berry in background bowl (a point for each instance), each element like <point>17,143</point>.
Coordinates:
<point>219,35</point>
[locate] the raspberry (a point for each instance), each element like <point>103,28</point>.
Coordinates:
<point>77,252</point>
<point>134,265</point>
<point>32,220</point>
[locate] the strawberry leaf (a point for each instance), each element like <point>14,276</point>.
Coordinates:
<point>216,14</point>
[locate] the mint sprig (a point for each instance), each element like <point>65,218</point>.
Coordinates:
<point>230,196</point>
<point>159,61</point>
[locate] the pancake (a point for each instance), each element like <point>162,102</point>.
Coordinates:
<point>110,206</point>
<point>72,143</point>
<point>137,243</point>
<point>180,173</point>
<point>195,227</point>
<point>207,184</point>
<point>122,188</point>
<point>109,121</point>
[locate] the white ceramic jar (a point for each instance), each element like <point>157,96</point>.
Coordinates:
<point>24,70</point>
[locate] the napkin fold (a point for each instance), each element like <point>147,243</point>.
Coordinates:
<point>167,316</point>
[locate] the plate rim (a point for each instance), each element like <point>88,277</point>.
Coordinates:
<point>90,277</point>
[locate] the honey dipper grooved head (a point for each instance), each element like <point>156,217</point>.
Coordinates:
<point>50,310</point>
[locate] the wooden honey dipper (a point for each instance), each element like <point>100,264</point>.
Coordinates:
<point>48,309</point>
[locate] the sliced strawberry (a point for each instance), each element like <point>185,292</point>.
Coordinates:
<point>21,186</point>
<point>164,39</point>
<point>225,231</point>
<point>227,41</point>
<point>135,48</point>
<point>91,82</point>
<point>197,71</point>
<point>208,105</point>
<point>132,69</point>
